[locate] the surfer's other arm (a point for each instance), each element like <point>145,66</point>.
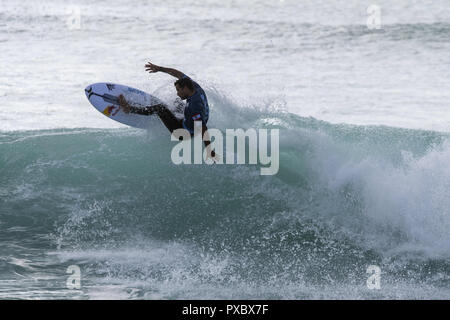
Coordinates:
<point>150,67</point>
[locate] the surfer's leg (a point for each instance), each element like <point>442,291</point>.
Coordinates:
<point>167,117</point>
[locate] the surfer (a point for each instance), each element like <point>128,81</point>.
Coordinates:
<point>197,108</point>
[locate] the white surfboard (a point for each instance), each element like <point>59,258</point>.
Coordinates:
<point>103,96</point>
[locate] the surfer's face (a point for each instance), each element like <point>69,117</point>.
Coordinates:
<point>183,93</point>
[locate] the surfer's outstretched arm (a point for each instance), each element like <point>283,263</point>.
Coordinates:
<point>150,67</point>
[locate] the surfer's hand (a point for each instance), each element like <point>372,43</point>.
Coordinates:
<point>123,104</point>
<point>150,67</point>
<point>213,156</point>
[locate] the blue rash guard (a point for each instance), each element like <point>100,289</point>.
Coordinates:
<point>197,108</point>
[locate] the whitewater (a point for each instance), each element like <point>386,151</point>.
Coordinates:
<point>364,125</point>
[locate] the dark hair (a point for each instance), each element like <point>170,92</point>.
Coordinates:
<point>185,82</point>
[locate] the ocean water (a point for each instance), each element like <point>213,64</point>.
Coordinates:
<point>364,177</point>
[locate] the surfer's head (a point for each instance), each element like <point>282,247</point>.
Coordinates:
<point>185,88</point>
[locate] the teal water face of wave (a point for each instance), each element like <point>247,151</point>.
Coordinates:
<point>138,226</point>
